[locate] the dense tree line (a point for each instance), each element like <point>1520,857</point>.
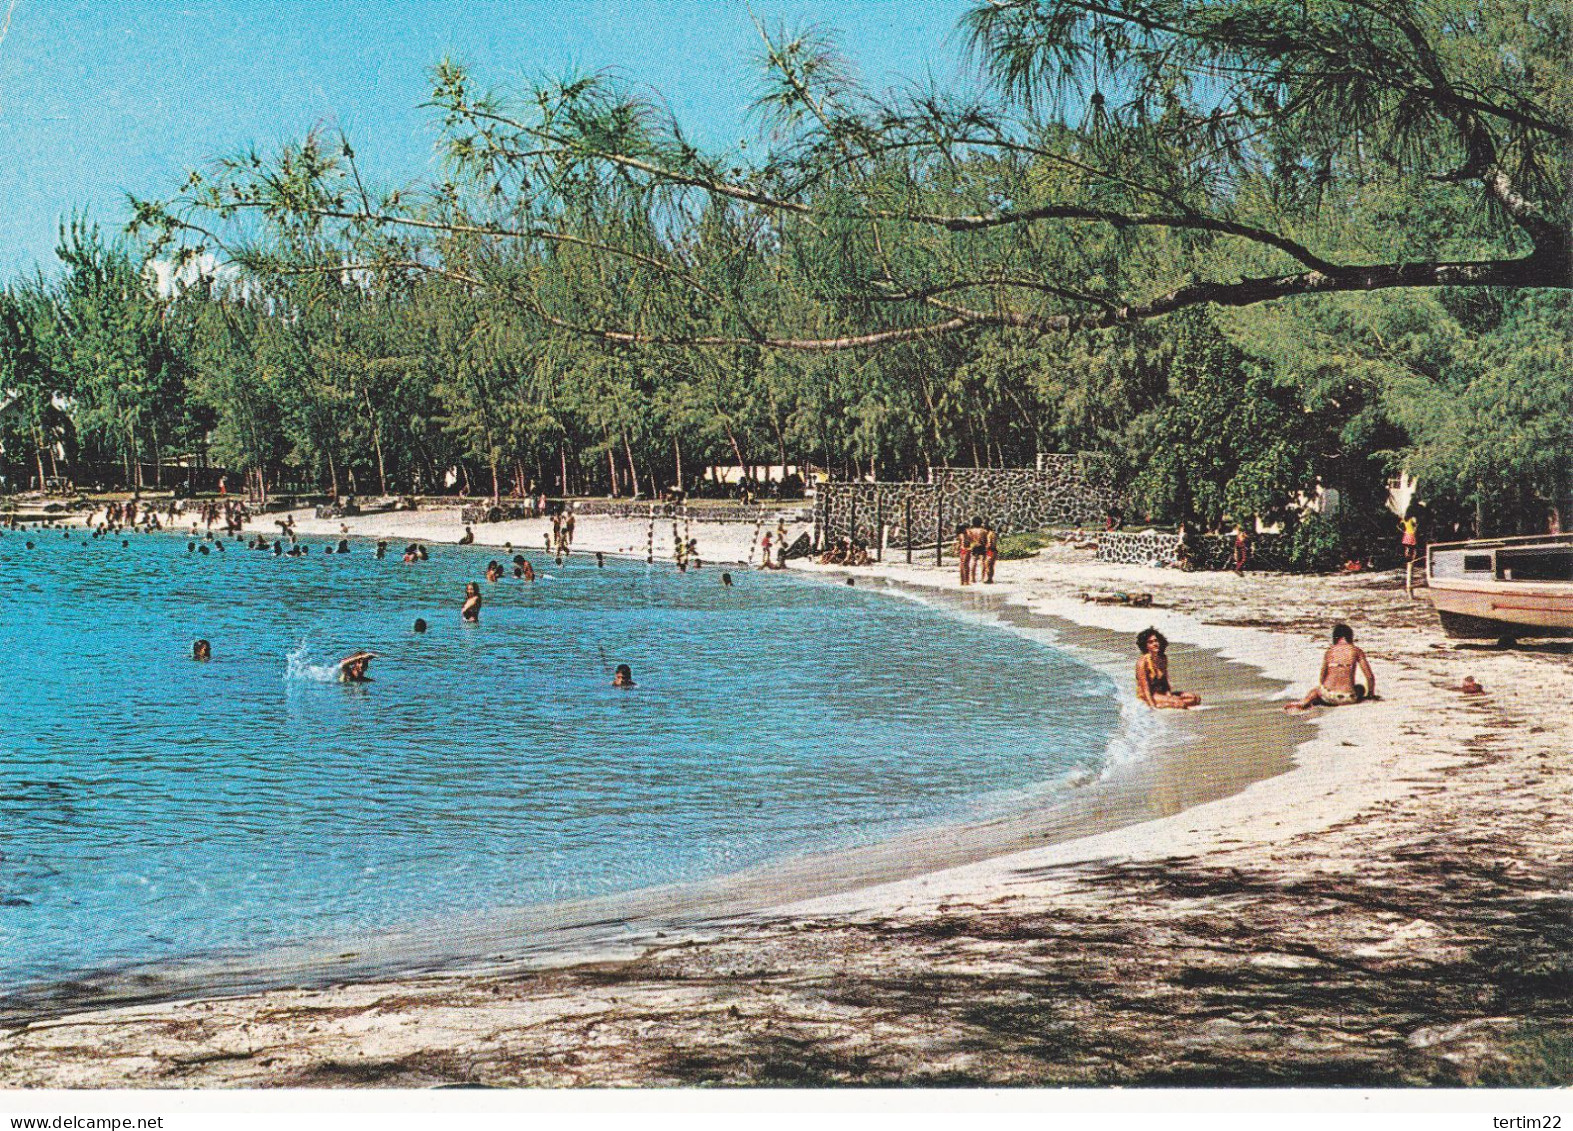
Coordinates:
<point>1250,247</point>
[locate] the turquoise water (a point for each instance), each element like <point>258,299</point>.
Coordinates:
<point>154,808</point>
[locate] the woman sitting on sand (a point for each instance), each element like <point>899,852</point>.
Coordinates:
<point>1152,674</point>
<point>471,609</point>
<point>1335,684</point>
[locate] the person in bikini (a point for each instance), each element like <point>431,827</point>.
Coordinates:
<point>1336,686</point>
<point>471,610</point>
<point>1152,674</point>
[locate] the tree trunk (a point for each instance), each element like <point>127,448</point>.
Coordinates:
<point>633,472</point>
<point>376,441</point>
<point>136,463</point>
<point>737,450</point>
<point>562,455</point>
<point>677,452</point>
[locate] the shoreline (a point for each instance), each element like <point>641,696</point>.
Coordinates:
<point>1169,770</point>
<point>1368,863</point>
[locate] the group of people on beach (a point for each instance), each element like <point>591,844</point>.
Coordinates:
<point>977,547</point>
<point>1336,685</point>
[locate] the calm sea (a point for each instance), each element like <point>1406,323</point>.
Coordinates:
<point>155,808</point>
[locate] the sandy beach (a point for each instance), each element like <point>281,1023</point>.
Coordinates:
<point>1375,895</point>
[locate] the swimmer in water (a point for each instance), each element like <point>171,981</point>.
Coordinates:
<point>493,570</point>
<point>600,560</point>
<point>471,609</point>
<point>623,676</point>
<point>529,572</point>
<point>201,650</point>
<point>352,669</point>
<point>726,580</point>
<point>420,624</point>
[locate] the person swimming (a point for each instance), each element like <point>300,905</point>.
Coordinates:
<point>471,609</point>
<point>201,650</point>
<point>352,669</point>
<point>382,548</point>
<point>600,560</point>
<point>726,579</point>
<point>493,570</point>
<point>623,676</point>
<point>420,624</point>
<point>1152,674</point>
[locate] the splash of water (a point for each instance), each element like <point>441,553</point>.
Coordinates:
<point>299,669</point>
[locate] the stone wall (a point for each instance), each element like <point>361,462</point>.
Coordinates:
<point>1139,549</point>
<point>725,512</point>
<point>1208,551</point>
<point>1066,490</point>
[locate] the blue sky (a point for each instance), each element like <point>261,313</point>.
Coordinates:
<point>101,99</point>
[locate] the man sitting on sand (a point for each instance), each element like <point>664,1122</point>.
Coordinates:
<point>1152,674</point>
<point>1337,686</point>
<point>352,669</point>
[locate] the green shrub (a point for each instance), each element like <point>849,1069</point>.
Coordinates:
<point>1024,544</point>
<point>1315,546</point>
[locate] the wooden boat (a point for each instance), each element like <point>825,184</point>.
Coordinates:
<point>1502,588</point>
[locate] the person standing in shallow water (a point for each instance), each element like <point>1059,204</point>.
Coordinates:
<point>1152,674</point>
<point>471,609</point>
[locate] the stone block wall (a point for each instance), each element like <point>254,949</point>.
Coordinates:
<point>1208,551</point>
<point>1138,549</point>
<point>1066,490</point>
<point>734,512</point>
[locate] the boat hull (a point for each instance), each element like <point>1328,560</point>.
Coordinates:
<point>1490,611</point>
